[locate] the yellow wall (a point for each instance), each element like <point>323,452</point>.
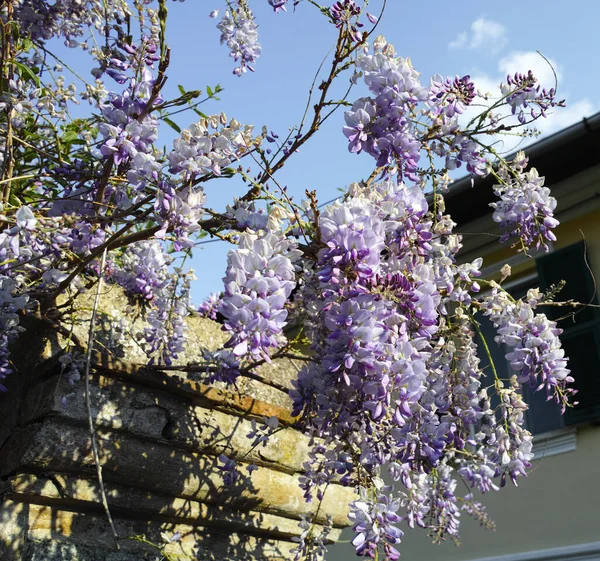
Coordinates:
<point>585,228</point>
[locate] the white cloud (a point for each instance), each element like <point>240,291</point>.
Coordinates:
<point>491,36</point>
<point>484,34</point>
<point>557,118</point>
<point>460,42</point>
<point>543,69</point>
<point>487,34</point>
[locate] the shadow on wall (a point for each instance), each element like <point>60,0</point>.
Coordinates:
<point>160,437</point>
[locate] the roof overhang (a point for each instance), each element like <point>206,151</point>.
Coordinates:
<point>568,159</point>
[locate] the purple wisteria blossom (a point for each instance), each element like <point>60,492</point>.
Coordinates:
<point>208,308</point>
<point>382,126</point>
<point>240,33</point>
<point>222,366</point>
<point>345,12</point>
<point>311,547</point>
<point>258,282</point>
<point>246,215</point>
<point>536,353</point>
<point>143,269</point>
<point>523,95</point>
<point>526,208</point>
<point>178,211</point>
<point>229,470</point>
<point>165,335</point>
<point>208,146</point>
<point>10,304</point>
<point>374,521</point>
<point>69,19</point>
<point>452,96</point>
<point>129,131</point>
<point>278,5</point>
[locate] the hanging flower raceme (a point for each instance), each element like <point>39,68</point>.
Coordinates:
<point>129,130</point>
<point>178,211</point>
<point>10,304</point>
<point>259,279</point>
<point>240,33</point>
<point>451,97</point>
<point>165,335</point>
<point>208,146</point>
<point>524,95</point>
<point>383,126</point>
<point>42,20</point>
<point>377,313</point>
<point>208,308</point>
<point>143,269</point>
<point>374,521</point>
<point>39,247</point>
<point>526,208</point>
<point>537,355</point>
<point>389,126</point>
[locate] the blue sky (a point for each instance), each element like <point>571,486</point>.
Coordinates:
<point>484,39</point>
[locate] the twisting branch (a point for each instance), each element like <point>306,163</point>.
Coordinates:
<point>88,360</point>
<point>342,52</point>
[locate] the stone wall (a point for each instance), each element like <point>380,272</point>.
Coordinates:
<point>159,435</point>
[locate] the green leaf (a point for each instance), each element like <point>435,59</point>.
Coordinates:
<point>199,113</point>
<point>228,172</point>
<point>26,71</point>
<point>193,94</point>
<point>172,124</point>
<point>14,200</point>
<point>69,137</point>
<point>181,89</point>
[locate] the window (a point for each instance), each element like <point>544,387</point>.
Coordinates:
<point>580,339</point>
<point>581,331</point>
<point>542,416</point>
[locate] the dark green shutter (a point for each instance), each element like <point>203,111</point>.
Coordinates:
<point>581,331</point>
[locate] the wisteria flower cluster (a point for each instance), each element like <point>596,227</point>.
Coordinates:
<point>10,304</point>
<point>199,151</point>
<point>524,94</point>
<point>388,126</point>
<point>382,126</point>
<point>240,33</point>
<point>536,353</point>
<point>65,18</point>
<point>526,208</point>
<point>143,271</point>
<point>258,282</point>
<point>395,387</point>
<point>372,284</point>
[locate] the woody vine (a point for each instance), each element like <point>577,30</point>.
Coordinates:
<point>392,389</point>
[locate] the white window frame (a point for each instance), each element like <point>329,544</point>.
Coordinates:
<point>579,552</point>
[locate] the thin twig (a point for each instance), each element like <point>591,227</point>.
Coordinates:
<point>88,361</point>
